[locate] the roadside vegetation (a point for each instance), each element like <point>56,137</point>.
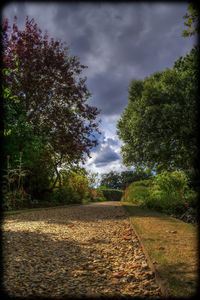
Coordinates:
<point>167,192</point>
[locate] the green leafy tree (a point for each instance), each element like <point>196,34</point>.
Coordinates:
<point>79,182</point>
<point>111,180</point>
<point>94,179</point>
<point>127,177</point>
<point>191,21</point>
<point>120,180</point>
<point>158,127</point>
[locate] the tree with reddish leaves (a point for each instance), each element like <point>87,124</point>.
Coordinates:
<point>52,95</point>
<point>47,117</point>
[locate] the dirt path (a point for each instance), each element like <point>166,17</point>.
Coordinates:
<point>88,250</point>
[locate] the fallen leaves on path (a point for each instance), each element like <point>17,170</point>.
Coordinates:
<point>76,251</point>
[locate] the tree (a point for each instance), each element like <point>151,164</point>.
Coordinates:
<point>111,180</point>
<point>52,95</point>
<point>94,179</point>
<point>120,180</point>
<point>191,21</point>
<point>48,118</point>
<point>158,127</point>
<point>127,177</point>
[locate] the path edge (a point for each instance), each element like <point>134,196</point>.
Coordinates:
<point>161,282</point>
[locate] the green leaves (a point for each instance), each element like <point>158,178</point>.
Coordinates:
<point>158,125</point>
<point>191,21</point>
<point>45,102</point>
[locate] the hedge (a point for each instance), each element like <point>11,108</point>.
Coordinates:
<point>112,194</point>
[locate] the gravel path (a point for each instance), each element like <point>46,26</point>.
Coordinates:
<point>88,250</point>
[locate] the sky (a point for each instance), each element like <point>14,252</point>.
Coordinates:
<point>119,42</point>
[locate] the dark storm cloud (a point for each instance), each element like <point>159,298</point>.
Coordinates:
<point>118,41</point>
<point>111,97</point>
<point>106,156</point>
<point>121,42</point>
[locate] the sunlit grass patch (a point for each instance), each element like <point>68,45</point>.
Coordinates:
<point>172,247</point>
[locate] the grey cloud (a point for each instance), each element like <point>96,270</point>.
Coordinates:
<point>112,142</point>
<point>15,9</point>
<point>101,140</point>
<point>109,93</point>
<point>106,156</point>
<point>123,42</point>
<point>105,142</point>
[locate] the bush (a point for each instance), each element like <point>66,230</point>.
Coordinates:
<point>137,192</point>
<point>96,195</point>
<point>167,192</point>
<point>112,194</point>
<point>79,184</point>
<point>17,199</point>
<point>170,193</point>
<point>65,195</point>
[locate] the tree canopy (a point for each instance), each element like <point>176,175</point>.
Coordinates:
<point>158,127</point>
<point>191,20</point>
<point>48,122</point>
<point>120,180</point>
<point>52,95</point>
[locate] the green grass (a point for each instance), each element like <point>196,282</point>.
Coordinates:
<point>171,245</point>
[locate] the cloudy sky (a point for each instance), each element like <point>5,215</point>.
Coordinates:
<point>118,42</point>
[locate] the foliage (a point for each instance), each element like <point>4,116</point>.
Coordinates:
<point>14,195</point>
<point>73,187</point>
<point>137,192</point>
<point>65,195</point>
<point>97,195</point>
<point>111,180</point>
<point>47,116</point>
<point>128,177</point>
<point>80,185</point>
<point>191,20</point>
<point>111,194</point>
<point>168,192</point>
<point>158,127</point>
<point>51,92</point>
<point>93,178</point>
<point>120,180</point>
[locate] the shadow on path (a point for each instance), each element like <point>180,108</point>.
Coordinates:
<point>38,264</point>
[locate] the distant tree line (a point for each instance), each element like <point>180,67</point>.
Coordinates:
<point>120,180</point>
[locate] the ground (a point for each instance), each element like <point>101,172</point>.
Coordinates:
<point>86,250</point>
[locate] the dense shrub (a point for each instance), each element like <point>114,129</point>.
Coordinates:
<point>170,193</point>
<point>112,194</point>
<point>65,195</point>
<point>167,192</point>
<point>96,195</point>
<point>137,192</point>
<point>78,182</point>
